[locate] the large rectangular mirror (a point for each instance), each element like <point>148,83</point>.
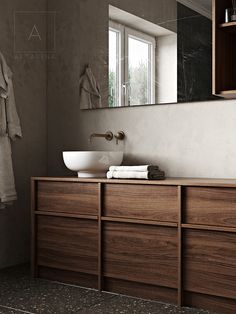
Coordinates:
<point>150,51</point>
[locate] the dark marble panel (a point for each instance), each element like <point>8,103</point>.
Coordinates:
<point>194,56</point>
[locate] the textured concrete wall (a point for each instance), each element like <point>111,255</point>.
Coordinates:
<point>63,81</point>
<point>29,154</point>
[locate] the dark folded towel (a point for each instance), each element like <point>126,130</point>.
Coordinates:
<point>153,168</point>
<point>156,175</point>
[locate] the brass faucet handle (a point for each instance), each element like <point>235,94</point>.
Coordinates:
<point>119,136</point>
<point>109,136</point>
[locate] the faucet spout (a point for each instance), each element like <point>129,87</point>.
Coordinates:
<point>108,136</point>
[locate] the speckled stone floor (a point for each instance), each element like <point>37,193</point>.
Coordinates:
<point>21,294</point>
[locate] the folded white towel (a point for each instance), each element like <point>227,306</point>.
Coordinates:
<point>134,168</point>
<point>159,175</point>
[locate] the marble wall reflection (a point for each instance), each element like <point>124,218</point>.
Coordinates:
<point>194,56</point>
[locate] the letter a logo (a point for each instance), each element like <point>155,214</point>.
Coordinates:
<point>34,33</point>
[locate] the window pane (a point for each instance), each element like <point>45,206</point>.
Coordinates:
<point>139,71</point>
<point>114,99</point>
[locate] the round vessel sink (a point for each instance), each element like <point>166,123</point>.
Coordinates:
<point>92,164</point>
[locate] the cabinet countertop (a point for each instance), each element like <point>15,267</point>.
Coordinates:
<point>168,181</point>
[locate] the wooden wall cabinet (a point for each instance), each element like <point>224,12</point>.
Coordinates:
<point>224,50</point>
<point>172,240</point>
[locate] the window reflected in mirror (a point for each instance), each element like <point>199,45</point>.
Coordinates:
<point>142,61</point>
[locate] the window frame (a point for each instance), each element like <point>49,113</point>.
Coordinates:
<point>123,56</point>
<point>151,40</point>
<point>118,28</point>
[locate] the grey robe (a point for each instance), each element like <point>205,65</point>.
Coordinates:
<point>90,97</point>
<point>10,129</point>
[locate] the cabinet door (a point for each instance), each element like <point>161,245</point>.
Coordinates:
<point>139,253</point>
<point>210,263</point>
<point>67,244</point>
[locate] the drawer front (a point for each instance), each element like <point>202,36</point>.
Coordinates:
<point>139,253</point>
<point>68,244</point>
<point>141,202</point>
<point>67,197</point>
<point>210,206</point>
<point>210,263</point>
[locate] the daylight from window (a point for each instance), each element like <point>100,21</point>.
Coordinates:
<point>114,60</point>
<point>131,67</point>
<point>139,72</point>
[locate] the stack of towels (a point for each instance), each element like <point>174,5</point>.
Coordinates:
<point>136,172</point>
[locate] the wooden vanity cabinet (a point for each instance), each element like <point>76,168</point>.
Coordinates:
<point>65,231</point>
<point>209,247</point>
<point>171,241</point>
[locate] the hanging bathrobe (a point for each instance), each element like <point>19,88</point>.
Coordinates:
<point>9,130</point>
<point>90,97</point>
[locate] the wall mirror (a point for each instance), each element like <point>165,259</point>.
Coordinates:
<point>151,51</point>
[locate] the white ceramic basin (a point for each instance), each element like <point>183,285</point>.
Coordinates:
<point>92,164</point>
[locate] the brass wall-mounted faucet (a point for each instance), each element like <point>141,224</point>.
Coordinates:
<point>119,136</point>
<point>108,136</point>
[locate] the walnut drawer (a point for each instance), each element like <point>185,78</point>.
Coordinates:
<point>67,197</point>
<point>148,202</point>
<point>210,206</point>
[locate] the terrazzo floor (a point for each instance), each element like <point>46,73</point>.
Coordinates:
<point>21,294</point>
